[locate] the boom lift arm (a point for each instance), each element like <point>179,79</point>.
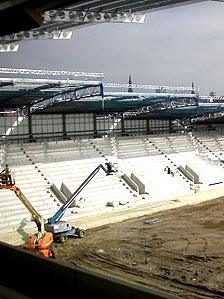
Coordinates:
<point>60,229</point>
<point>35,215</point>
<point>41,241</point>
<point>59,214</point>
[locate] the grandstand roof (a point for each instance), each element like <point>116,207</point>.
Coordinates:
<point>56,95</point>
<point>77,96</point>
<point>17,93</point>
<point>24,15</point>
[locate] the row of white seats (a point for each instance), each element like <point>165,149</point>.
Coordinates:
<point>33,185</point>
<point>101,190</point>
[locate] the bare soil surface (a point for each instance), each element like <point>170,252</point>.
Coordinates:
<point>182,252</point>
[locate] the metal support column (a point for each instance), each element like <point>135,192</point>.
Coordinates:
<point>64,125</point>
<point>170,126</point>
<point>94,125</point>
<point>147,127</point>
<point>122,125</point>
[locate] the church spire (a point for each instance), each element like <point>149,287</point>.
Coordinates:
<point>130,83</point>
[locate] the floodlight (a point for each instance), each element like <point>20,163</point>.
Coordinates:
<point>3,48</point>
<point>90,16</point>
<point>62,34</point>
<point>27,34</point>
<point>138,18</point>
<point>114,15</point>
<point>97,16</point>
<point>65,34</point>
<point>52,13</point>
<point>80,15</point>
<point>19,35</point>
<point>107,16</point>
<point>122,16</point>
<point>128,17</point>
<point>61,14</point>
<point>72,14</point>
<point>9,48</point>
<point>35,34</point>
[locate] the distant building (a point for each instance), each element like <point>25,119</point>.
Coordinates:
<point>212,93</point>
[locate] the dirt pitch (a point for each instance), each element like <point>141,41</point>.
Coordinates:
<point>180,251</point>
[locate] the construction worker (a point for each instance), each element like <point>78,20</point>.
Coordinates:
<point>110,168</point>
<point>6,175</point>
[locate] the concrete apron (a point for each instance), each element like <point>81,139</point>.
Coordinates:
<point>16,238</point>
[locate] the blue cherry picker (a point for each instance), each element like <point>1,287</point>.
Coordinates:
<point>61,230</point>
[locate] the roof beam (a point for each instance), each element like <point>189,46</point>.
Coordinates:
<point>10,3</point>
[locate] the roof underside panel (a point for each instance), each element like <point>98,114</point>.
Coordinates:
<point>24,15</point>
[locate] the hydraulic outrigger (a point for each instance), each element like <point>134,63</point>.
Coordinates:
<point>54,229</point>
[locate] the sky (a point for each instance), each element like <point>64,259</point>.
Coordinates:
<point>175,47</point>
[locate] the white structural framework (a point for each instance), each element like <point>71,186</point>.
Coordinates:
<point>77,16</point>
<point>40,72</point>
<point>212,98</point>
<point>149,86</point>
